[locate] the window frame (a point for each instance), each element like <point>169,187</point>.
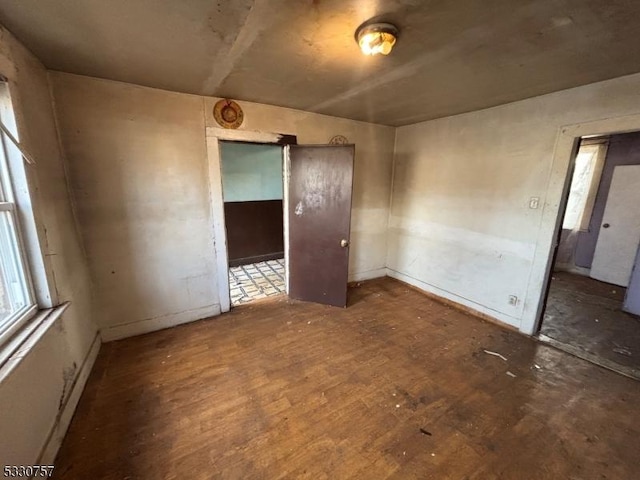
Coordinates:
<point>602,147</point>
<point>9,205</point>
<point>598,152</point>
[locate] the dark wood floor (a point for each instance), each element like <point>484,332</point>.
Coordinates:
<point>587,315</point>
<point>395,386</point>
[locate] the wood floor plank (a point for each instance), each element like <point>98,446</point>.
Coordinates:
<point>397,386</point>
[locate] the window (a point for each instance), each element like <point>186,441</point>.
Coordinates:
<point>17,302</point>
<point>584,186</point>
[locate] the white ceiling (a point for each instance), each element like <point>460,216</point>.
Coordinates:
<point>453,56</point>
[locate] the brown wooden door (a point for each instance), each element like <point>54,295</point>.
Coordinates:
<point>320,184</point>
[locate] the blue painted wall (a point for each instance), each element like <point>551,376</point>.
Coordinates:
<point>251,172</point>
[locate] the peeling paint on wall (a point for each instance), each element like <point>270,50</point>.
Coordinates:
<point>68,379</point>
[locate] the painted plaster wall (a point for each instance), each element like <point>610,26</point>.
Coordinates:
<point>460,225</point>
<point>136,163</point>
<point>251,172</point>
<point>138,168</point>
<point>35,389</point>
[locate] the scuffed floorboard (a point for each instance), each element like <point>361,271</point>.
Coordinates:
<point>585,317</point>
<point>395,386</point>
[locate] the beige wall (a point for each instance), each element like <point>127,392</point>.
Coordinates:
<point>460,224</point>
<point>139,172</point>
<point>35,389</point>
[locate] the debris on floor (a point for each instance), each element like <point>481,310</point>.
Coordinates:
<point>597,329</point>
<point>495,354</point>
<point>512,375</point>
<point>622,351</point>
<point>425,432</point>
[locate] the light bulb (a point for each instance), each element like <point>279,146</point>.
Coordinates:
<point>376,42</point>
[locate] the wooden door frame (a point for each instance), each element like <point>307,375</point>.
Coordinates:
<point>553,209</point>
<point>214,136</point>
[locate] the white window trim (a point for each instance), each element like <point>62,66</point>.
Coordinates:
<point>20,317</point>
<point>11,203</point>
<point>601,155</point>
<point>16,321</point>
<point>597,152</point>
<point>26,337</point>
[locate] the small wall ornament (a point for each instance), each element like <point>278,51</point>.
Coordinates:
<point>228,114</point>
<point>338,140</point>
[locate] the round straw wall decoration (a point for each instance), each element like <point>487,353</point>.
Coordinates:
<point>338,140</point>
<point>228,114</point>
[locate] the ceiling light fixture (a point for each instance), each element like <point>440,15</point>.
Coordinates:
<point>375,38</point>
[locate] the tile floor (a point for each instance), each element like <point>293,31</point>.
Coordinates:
<point>256,280</point>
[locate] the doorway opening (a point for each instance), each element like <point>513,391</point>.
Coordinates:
<point>253,195</point>
<point>593,303</point>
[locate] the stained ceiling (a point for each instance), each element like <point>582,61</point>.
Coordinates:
<point>453,56</point>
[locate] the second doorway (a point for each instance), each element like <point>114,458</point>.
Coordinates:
<point>252,186</point>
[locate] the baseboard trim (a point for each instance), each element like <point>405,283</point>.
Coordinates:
<point>566,267</point>
<point>457,302</point>
<point>63,420</point>
<point>257,259</point>
<point>368,275</point>
<point>117,332</point>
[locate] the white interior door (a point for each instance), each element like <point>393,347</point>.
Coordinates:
<point>620,230</point>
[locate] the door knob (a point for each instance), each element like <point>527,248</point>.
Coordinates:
<point>344,243</point>
<point>606,225</point>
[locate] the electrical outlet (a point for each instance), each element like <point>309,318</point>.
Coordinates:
<point>534,202</point>
<point>513,300</point>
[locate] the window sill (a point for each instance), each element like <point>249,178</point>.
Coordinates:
<point>23,341</point>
